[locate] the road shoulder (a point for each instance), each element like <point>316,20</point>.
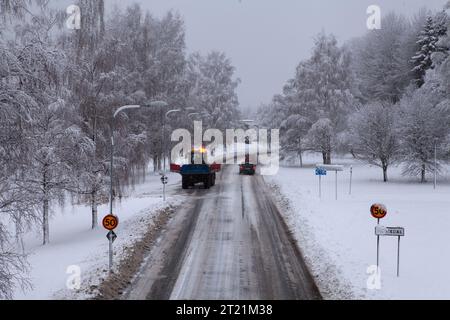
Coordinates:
<point>324,272</point>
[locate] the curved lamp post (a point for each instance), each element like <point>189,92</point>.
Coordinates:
<point>164,147</point>
<point>154,104</point>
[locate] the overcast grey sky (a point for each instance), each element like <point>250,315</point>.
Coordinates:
<point>266,39</point>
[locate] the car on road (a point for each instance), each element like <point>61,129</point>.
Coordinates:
<point>247,169</point>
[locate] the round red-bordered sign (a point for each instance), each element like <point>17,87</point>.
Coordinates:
<point>378,211</point>
<point>110,222</point>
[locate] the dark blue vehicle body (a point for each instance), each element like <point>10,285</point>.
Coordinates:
<point>195,169</point>
<point>198,173</point>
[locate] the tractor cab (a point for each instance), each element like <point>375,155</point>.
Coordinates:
<point>198,156</point>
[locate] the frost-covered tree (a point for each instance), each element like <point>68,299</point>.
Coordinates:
<point>380,63</point>
<point>20,88</point>
<point>44,169</point>
<point>92,30</point>
<point>13,267</point>
<point>16,208</point>
<point>373,136</point>
<point>213,89</point>
<point>430,128</point>
<point>423,125</point>
<point>294,140</point>
<point>15,8</point>
<point>323,88</point>
<point>295,122</point>
<point>49,171</point>
<point>428,45</point>
<point>316,101</point>
<point>321,136</point>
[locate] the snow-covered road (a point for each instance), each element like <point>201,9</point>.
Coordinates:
<point>229,242</point>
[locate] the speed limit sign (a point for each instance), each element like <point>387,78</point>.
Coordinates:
<point>110,222</point>
<point>378,211</point>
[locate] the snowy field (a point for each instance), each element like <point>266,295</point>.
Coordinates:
<point>338,240</point>
<point>73,243</point>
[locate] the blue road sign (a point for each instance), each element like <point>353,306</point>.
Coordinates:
<point>321,172</point>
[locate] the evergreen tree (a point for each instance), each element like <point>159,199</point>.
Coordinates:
<point>427,42</point>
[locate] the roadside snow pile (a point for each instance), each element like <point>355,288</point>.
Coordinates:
<point>74,244</point>
<point>338,237</point>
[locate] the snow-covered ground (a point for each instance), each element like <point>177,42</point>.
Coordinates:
<point>74,244</point>
<point>338,239</point>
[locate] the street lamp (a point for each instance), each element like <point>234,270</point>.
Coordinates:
<point>172,111</point>
<point>164,148</point>
<point>190,115</point>
<point>154,104</point>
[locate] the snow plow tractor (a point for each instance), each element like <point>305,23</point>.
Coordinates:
<point>198,171</point>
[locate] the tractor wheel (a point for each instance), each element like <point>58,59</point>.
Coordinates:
<point>207,182</point>
<point>185,184</point>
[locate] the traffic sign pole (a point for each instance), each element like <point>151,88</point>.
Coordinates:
<point>164,180</point>
<point>110,222</point>
<point>110,254</point>
<point>378,211</point>
<point>164,192</point>
<point>336,185</point>
<point>321,170</point>
<point>351,178</point>
<point>398,257</point>
<point>398,232</point>
<point>378,248</point>
<point>320,187</point>
<point>435,166</point>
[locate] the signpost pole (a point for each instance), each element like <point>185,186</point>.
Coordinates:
<point>110,254</point>
<point>378,248</point>
<point>320,186</point>
<point>111,168</point>
<point>351,178</point>
<point>110,222</point>
<point>398,257</point>
<point>164,192</point>
<point>435,165</point>
<point>336,185</point>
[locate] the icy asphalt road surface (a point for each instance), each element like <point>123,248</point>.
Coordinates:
<point>226,243</point>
